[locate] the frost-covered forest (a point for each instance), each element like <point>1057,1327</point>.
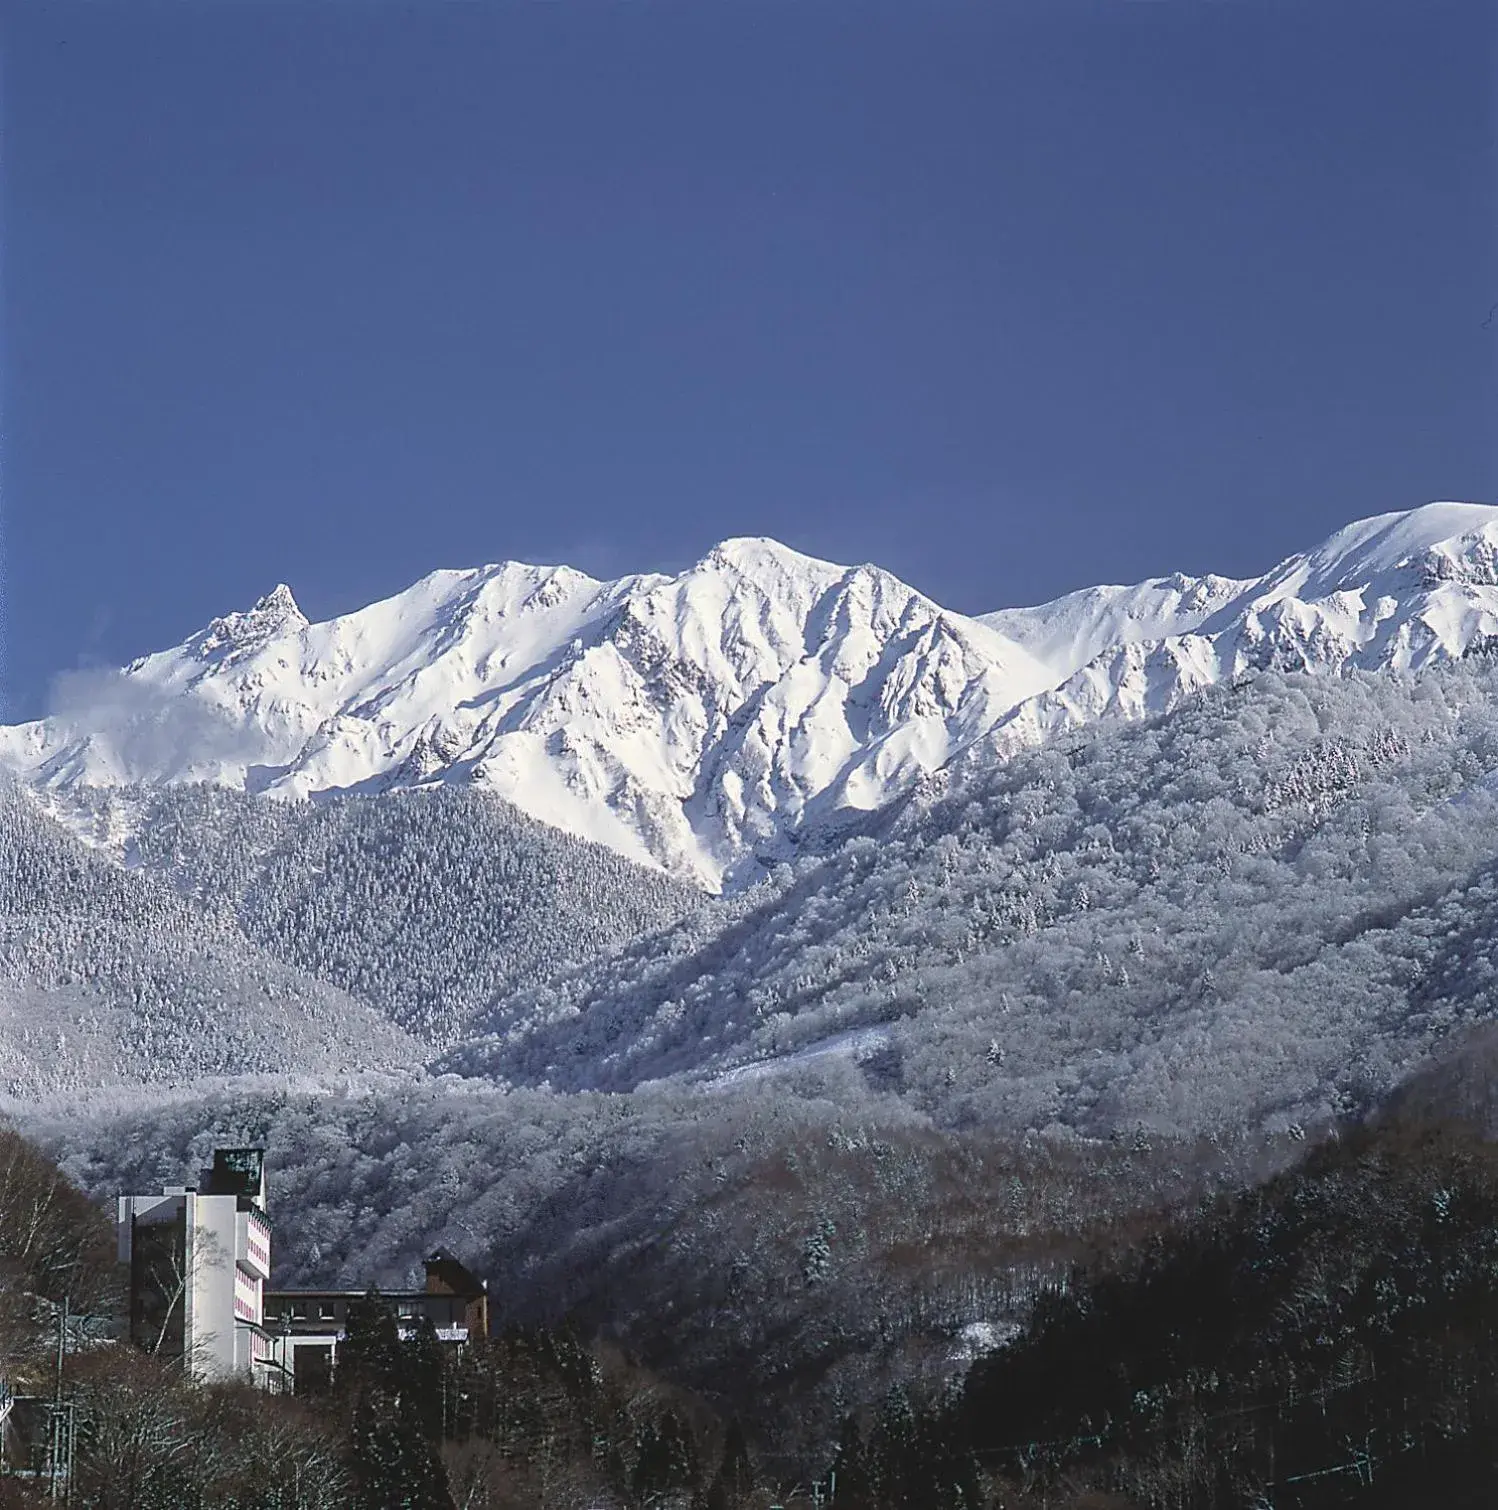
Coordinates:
<point>829,1137</point>
<point>1265,906</point>
<point>427,905</point>
<point>109,977</point>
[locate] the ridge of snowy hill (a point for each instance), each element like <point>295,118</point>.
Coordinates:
<point>705,721</point>
<point>1394,592</point>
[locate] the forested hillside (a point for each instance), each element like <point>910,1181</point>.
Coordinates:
<point>1328,1339</point>
<point>910,1318</point>
<point>428,905</point>
<point>108,977</point>
<point>1269,904</point>
<point>782,1250</point>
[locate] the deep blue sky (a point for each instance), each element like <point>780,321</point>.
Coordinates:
<point>1008,297</point>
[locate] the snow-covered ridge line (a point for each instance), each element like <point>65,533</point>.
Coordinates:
<point>705,722</point>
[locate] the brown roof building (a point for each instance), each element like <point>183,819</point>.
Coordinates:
<point>308,1325</point>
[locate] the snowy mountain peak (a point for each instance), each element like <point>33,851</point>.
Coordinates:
<point>764,569</point>
<point>755,555</point>
<point>278,602</point>
<point>1362,553</point>
<point>274,614</point>
<point>708,721</point>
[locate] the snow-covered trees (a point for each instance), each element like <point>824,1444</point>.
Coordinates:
<point>427,905</point>
<point>1267,904</point>
<point>108,976</point>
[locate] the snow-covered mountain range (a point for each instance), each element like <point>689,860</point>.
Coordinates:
<point>706,721</point>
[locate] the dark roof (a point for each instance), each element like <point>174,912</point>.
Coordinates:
<point>349,1295</point>
<point>445,1268</point>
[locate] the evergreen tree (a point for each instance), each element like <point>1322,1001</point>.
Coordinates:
<point>395,1466</point>
<point>734,1480</point>
<point>425,1381</point>
<point>849,1485</point>
<point>370,1356</point>
<point>664,1462</point>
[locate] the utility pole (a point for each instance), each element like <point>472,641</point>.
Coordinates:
<point>60,1454</point>
<point>286,1384</point>
<point>62,1338</point>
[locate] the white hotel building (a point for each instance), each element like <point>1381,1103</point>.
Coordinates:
<point>199,1259</point>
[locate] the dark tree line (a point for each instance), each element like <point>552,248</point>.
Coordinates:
<point>1328,1339</point>
<point>527,1418</point>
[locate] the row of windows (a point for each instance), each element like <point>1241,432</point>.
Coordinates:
<point>321,1309</point>
<point>305,1310</point>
